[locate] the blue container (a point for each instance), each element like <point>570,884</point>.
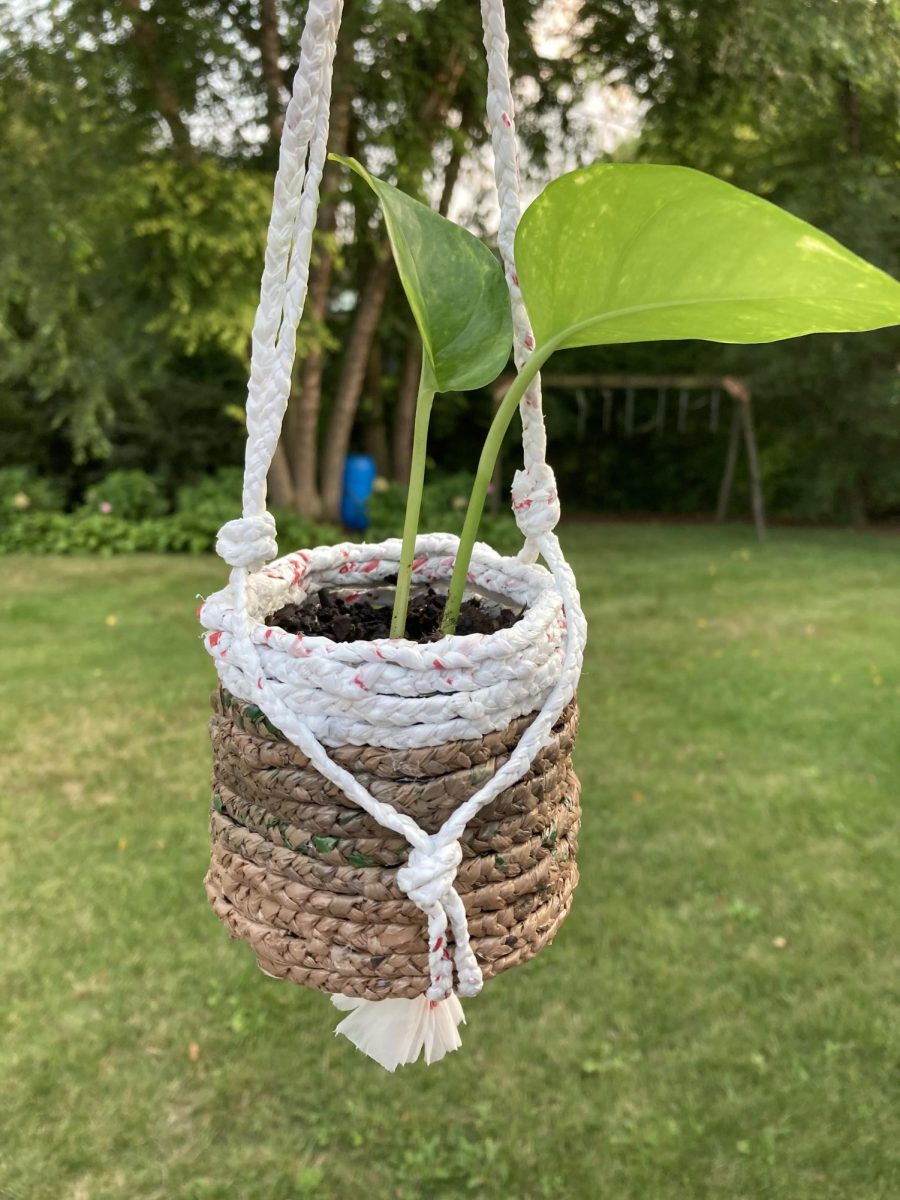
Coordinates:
<point>359,479</point>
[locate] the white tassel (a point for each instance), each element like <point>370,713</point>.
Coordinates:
<point>394,1032</point>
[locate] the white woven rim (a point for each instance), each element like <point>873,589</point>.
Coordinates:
<point>395,694</point>
<point>392,693</point>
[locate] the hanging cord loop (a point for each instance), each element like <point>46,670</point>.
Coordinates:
<point>288,246</point>
<point>501,119</point>
<point>428,878</point>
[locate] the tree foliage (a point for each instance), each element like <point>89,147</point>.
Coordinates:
<point>797,102</point>
<point>135,177</point>
<point>139,140</point>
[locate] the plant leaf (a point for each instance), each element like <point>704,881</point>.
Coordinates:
<point>630,252</point>
<point>454,285</point>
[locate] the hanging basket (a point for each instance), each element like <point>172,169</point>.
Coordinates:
<point>392,822</point>
<point>309,879</point>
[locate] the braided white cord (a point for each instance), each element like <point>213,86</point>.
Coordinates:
<point>250,541</point>
<point>501,120</point>
<point>279,383</point>
<point>538,732</point>
<point>396,693</point>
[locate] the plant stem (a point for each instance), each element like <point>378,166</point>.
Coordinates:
<point>413,500</point>
<point>483,475</point>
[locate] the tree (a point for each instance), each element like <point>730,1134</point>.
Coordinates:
<point>151,129</point>
<point>119,257</point>
<point>798,103</point>
<point>413,104</point>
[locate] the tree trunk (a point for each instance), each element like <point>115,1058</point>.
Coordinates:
<point>300,437</point>
<point>372,297</point>
<point>856,505</point>
<point>280,484</point>
<point>438,101</point>
<point>849,99</point>
<point>143,23</point>
<point>405,412</point>
<point>451,174</point>
<point>375,435</point>
<point>353,373</point>
<point>269,42</point>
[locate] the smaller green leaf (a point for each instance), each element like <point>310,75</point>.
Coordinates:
<point>454,285</point>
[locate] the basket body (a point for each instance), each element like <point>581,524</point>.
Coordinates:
<point>306,876</point>
<point>308,879</point>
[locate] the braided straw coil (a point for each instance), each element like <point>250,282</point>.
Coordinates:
<point>309,880</point>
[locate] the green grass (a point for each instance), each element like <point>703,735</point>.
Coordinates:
<point>718,1017</point>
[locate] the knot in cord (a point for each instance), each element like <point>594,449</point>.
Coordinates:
<point>248,541</point>
<point>535,500</point>
<point>429,873</point>
<point>428,879</point>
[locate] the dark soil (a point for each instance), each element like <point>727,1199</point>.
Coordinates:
<point>363,618</point>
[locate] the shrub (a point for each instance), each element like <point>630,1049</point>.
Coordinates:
<point>204,507</point>
<point>68,533</point>
<point>297,533</point>
<point>23,491</point>
<point>217,496</point>
<point>129,495</point>
<point>195,531</point>
<point>192,530</point>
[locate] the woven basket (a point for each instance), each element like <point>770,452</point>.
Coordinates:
<point>392,822</point>
<point>308,879</point>
<point>305,872</point>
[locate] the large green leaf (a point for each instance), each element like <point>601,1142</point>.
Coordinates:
<point>629,253</point>
<point>455,288</point>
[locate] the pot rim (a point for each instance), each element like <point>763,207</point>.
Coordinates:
<point>292,577</point>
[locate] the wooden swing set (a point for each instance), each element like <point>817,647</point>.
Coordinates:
<point>694,393</point>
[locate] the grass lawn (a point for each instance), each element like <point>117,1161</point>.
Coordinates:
<point>717,1018</point>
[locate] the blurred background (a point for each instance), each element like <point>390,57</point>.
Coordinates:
<point>718,1017</point>
<point>139,144</point>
